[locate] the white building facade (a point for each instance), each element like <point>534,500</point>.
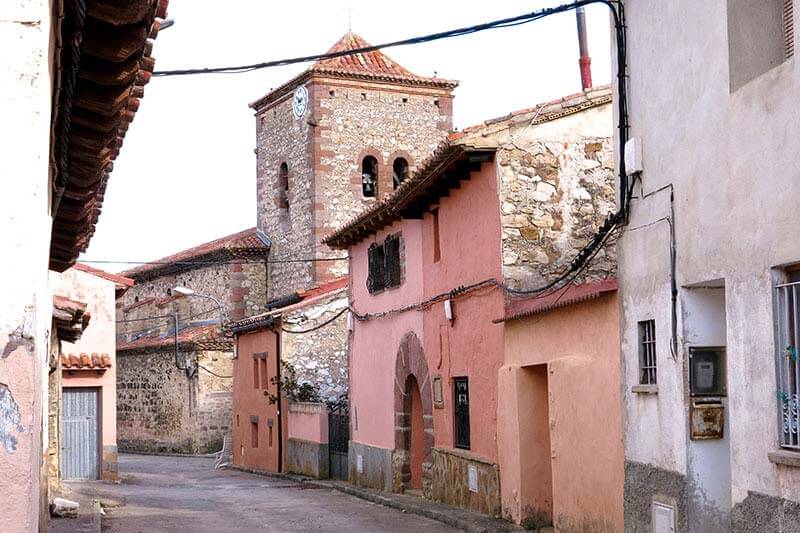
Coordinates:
<point>710,315</point>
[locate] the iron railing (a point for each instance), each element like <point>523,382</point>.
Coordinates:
<point>787,300</point>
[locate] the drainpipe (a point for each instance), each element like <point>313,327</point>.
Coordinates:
<point>280,399</point>
<point>584,62</point>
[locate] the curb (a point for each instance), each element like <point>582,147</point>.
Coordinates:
<point>435,511</point>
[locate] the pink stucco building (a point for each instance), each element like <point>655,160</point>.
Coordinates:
<point>501,207</point>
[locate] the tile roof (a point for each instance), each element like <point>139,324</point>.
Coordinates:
<point>547,111</point>
<point>70,317</point>
<point>121,283</point>
<point>204,335</point>
<point>431,179</point>
<point>85,361</point>
<point>370,66</point>
<point>96,100</point>
<point>523,307</point>
<point>307,298</point>
<point>244,244</point>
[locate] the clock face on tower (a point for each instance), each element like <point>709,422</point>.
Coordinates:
<point>300,101</point>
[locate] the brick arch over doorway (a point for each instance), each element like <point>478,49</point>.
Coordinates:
<point>411,362</point>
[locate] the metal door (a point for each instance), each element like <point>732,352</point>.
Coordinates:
<point>338,437</point>
<point>80,440</point>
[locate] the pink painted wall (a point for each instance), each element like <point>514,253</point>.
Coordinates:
<point>374,344</point>
<point>308,421</point>
<point>579,346</point>
<point>100,337</point>
<point>472,346</point>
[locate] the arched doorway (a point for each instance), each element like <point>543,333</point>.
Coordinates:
<point>416,438</point>
<point>413,413</point>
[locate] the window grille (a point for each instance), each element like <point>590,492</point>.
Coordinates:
<point>391,252</point>
<point>787,299</point>
<point>647,352</point>
<point>788,28</point>
<point>375,278</point>
<point>369,176</point>
<point>461,401</point>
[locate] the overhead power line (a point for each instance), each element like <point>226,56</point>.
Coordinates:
<point>501,23</point>
<point>201,263</point>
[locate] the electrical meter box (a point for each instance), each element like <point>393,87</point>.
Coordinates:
<point>707,372</point>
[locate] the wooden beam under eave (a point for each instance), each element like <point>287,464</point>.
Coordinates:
<point>119,13</point>
<point>113,43</point>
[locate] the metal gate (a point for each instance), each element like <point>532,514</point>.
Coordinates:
<point>80,440</point>
<point>338,437</point>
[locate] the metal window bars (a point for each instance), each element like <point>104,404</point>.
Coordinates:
<point>647,352</point>
<point>787,301</point>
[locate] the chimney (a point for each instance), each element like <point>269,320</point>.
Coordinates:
<point>584,62</point>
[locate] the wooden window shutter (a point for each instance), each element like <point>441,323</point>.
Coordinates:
<point>391,251</point>
<point>375,278</point>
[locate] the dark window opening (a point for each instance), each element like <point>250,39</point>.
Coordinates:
<point>270,436</point>
<point>461,402</point>
<point>400,169</point>
<point>237,420</point>
<point>391,255</point>
<point>376,277</point>
<point>255,373</point>
<point>437,248</point>
<point>254,434</point>
<point>283,186</point>
<point>369,176</point>
<point>647,352</point>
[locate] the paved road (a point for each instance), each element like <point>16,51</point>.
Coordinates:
<point>188,495</point>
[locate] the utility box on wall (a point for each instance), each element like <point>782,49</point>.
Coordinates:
<point>707,386</point>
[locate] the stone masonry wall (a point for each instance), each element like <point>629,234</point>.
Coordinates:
<point>346,121</point>
<point>160,409</point>
<point>320,357</point>
<point>240,287</point>
<point>357,119</point>
<point>557,187</point>
<point>280,138</point>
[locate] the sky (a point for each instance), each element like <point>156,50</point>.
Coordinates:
<point>186,173</point>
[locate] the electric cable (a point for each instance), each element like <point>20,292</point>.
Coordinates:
<point>501,23</point>
<point>222,262</point>
<point>318,326</point>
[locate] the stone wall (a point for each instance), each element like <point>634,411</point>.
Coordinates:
<point>161,410</point>
<point>240,287</point>
<point>346,121</point>
<point>556,190</point>
<point>450,481</point>
<point>320,356</point>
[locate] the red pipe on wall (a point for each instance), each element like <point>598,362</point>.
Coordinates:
<point>584,62</point>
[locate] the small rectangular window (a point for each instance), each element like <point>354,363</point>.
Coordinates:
<point>254,434</point>
<point>255,373</point>
<point>391,254</point>
<point>647,352</point>
<point>376,277</point>
<point>461,402</point>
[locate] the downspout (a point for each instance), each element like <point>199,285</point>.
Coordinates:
<point>280,398</point>
<point>584,61</point>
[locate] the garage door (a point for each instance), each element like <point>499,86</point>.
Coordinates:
<point>80,440</point>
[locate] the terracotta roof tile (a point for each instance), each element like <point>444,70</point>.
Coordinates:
<point>523,307</point>
<point>374,65</point>
<point>85,361</point>
<point>91,117</point>
<point>307,298</point>
<point>206,333</point>
<point>70,317</point>
<point>243,244</point>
